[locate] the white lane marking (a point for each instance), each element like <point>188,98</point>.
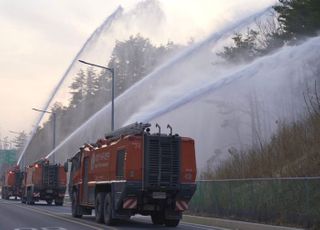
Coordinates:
<point>25,228</point>
<point>54,215</point>
<point>202,226</point>
<point>53,228</point>
<point>43,228</point>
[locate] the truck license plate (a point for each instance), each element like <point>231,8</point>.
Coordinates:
<point>49,191</point>
<point>159,195</point>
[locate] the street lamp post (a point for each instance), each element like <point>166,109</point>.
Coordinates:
<point>54,129</point>
<point>112,100</point>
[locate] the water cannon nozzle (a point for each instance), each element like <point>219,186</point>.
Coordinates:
<point>158,126</point>
<point>169,127</point>
<point>148,130</point>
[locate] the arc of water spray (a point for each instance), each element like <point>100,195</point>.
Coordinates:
<point>106,24</point>
<point>247,71</point>
<point>210,40</point>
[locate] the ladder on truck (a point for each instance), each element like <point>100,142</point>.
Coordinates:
<point>132,129</point>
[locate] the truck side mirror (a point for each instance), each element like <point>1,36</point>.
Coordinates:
<point>66,166</point>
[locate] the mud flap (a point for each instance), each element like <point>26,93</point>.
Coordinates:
<point>117,192</point>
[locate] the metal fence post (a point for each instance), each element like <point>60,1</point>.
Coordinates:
<point>307,201</point>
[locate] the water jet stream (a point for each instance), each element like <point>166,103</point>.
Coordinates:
<point>177,60</point>
<point>106,24</point>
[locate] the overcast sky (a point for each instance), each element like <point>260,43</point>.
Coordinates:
<point>39,38</point>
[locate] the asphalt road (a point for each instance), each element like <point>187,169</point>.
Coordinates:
<point>17,216</point>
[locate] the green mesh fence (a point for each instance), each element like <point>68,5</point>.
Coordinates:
<point>291,201</point>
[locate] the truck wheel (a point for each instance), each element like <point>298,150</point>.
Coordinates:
<point>6,196</point>
<point>99,204</point>
<point>58,202</point>
<point>29,198</point>
<point>157,218</point>
<point>107,210</point>
<point>49,202</point>
<point>75,207</point>
<point>171,223</point>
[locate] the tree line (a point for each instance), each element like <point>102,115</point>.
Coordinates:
<point>90,90</point>
<point>137,56</point>
<point>292,150</point>
<point>293,21</point>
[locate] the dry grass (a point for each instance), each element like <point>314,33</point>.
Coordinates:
<point>292,152</point>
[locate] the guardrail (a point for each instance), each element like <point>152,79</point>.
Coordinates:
<point>280,201</point>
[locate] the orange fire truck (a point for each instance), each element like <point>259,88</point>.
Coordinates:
<point>12,183</point>
<point>44,181</point>
<point>131,172</point>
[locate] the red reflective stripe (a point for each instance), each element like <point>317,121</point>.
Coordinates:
<point>36,194</point>
<point>181,205</point>
<point>133,205</point>
<point>130,203</point>
<point>184,204</point>
<point>178,206</point>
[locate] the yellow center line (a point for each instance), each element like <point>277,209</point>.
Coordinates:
<point>51,214</point>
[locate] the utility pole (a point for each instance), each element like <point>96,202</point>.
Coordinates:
<point>54,129</point>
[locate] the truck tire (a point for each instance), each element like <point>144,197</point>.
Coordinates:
<point>75,207</point>
<point>99,207</point>
<point>107,210</point>
<point>5,194</point>
<point>157,218</point>
<point>49,202</point>
<point>29,198</point>
<point>58,202</point>
<point>171,223</point>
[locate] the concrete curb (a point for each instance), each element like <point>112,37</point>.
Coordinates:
<point>232,224</point>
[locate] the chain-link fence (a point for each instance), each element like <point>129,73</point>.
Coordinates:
<point>288,201</point>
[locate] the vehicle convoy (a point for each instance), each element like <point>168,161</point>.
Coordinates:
<point>44,181</point>
<point>131,172</point>
<point>11,186</point>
